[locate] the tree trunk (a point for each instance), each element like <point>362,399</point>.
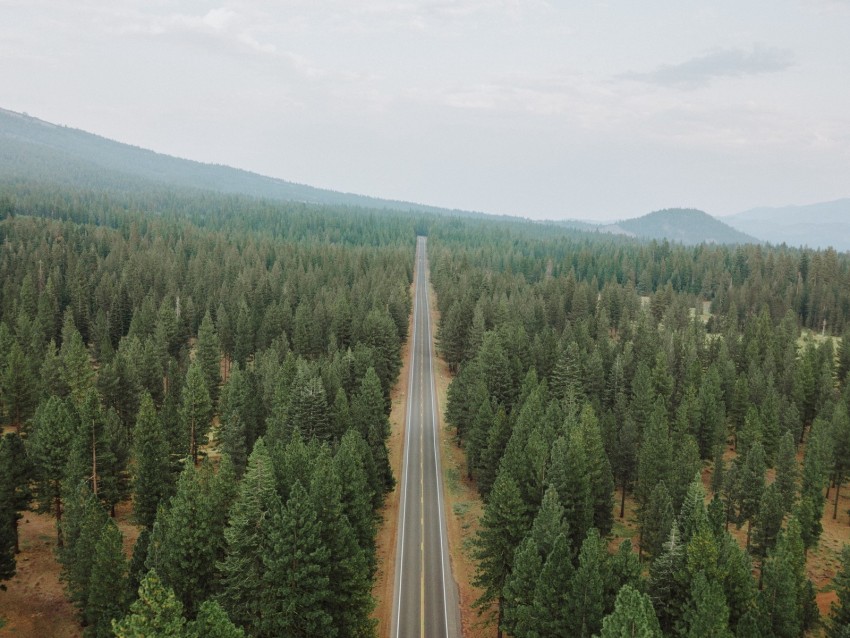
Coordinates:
<point>57,503</point>
<point>837,493</point>
<point>93,462</point>
<point>623,501</point>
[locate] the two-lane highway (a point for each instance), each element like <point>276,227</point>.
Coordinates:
<point>425,600</point>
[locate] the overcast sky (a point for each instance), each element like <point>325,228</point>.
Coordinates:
<point>588,110</point>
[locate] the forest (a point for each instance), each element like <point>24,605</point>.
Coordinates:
<point>223,365</point>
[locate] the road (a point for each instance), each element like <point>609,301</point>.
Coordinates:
<point>425,599</point>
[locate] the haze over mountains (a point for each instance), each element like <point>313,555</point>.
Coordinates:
<point>31,149</point>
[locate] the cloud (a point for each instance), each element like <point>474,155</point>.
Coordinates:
<point>701,70</point>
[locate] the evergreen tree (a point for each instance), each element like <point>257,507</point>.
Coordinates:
<point>296,586</point>
<point>351,602</point>
<point>839,626</point>
<point>633,617</point>
<point>656,522</point>
<point>503,526</point>
<point>195,410</point>
<point>370,419</point>
<point>156,612</point>
<point>247,538</point>
<point>570,477</point>
<point>151,467</point>
<point>497,440</point>
<point>668,582</point>
<point>601,477</point>
<point>18,387</point>
<point>76,371</point>
<point>8,563</point>
<point>16,473</point>
<point>49,445</point>
<point>707,615</point>
<point>587,590</point>
<point>233,415</point>
<point>188,536</point>
<point>518,617</point>
<point>355,493</point>
<point>107,583</point>
<point>208,356</point>
<point>768,521</point>
<point>212,622</point>
<point>81,529</point>
<point>551,611</point>
<point>786,470</point>
<point>750,486</point>
<point>840,451</point>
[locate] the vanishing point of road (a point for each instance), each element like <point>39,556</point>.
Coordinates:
<point>425,599</point>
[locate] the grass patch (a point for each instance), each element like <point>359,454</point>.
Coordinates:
<point>2,622</point>
<point>453,479</point>
<point>460,509</point>
<point>621,530</point>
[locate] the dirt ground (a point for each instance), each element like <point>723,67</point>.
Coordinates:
<point>34,605</point>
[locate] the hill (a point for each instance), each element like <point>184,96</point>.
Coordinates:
<point>815,225</point>
<point>32,149</point>
<point>684,225</point>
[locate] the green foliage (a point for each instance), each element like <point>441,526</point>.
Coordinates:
<point>839,622</point>
<point>633,617</point>
<point>107,583</point>
<point>195,410</point>
<point>156,612</point>
<point>656,522</point>
<point>151,469</point>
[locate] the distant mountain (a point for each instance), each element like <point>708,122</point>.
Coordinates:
<point>815,225</point>
<point>684,225</point>
<point>34,149</point>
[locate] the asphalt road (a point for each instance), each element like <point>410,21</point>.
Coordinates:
<point>425,599</point>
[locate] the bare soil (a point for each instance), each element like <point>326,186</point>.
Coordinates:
<point>34,605</point>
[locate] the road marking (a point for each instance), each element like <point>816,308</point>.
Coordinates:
<point>436,459</point>
<point>407,452</point>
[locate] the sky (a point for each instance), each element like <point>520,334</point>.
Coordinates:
<point>543,109</point>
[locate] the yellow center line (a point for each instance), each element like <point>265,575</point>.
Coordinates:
<point>421,515</point>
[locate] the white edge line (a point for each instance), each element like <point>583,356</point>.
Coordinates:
<point>437,468</point>
<point>400,555</point>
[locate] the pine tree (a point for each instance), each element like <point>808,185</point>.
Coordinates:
<point>551,612</point>
<point>151,467</point>
<point>350,582</point>
<point>195,410</point>
<point>370,419</point>
<point>212,622</point>
<point>786,602</point>
<point>107,583</point>
<point>668,582</point>
<point>247,538</point>
<point>503,526</point>
<point>839,626</point>
<point>655,459</point>
<point>570,477</point>
<point>233,415</point>
<point>16,474</point>
<point>297,590</point>
<point>786,470</point>
<point>707,615</point>
<point>497,440</point>
<point>601,477</point>
<point>355,493</point>
<point>840,451</point>
<point>658,518</point>
<point>48,446</point>
<point>750,487</point>
<point>587,590</point>
<point>768,521</point>
<point>208,356</point>
<point>156,612</point>
<point>188,536</point>
<point>633,617</point>
<point>8,563</point>
<point>76,370</point>
<point>518,598</point>
<point>18,387</point>
<point>81,528</point>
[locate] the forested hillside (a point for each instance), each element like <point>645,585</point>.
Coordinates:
<point>221,366</point>
<point>224,364</point>
<point>603,381</point>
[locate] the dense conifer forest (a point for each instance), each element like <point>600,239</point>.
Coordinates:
<point>224,364</point>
